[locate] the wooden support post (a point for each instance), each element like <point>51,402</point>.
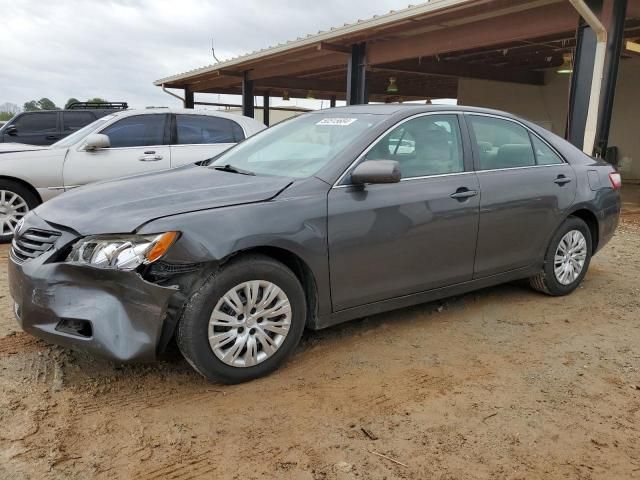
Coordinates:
<point>247,96</point>
<point>356,75</point>
<point>265,108</point>
<point>188,98</point>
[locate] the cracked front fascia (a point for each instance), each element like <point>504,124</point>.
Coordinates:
<point>126,311</point>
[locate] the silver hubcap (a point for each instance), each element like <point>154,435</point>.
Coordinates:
<point>249,323</point>
<point>12,209</point>
<point>570,257</point>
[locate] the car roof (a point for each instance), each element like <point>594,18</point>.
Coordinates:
<point>410,108</point>
<point>250,125</point>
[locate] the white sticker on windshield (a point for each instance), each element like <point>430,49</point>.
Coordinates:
<point>339,122</point>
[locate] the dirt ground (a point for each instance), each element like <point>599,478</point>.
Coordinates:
<point>500,383</point>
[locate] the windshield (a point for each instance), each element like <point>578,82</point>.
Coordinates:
<point>78,135</point>
<point>299,147</point>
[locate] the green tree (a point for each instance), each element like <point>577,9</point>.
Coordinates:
<point>70,101</point>
<point>30,106</point>
<point>97,99</point>
<point>5,116</point>
<point>45,104</point>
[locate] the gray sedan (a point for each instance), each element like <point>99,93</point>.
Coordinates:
<point>334,215</point>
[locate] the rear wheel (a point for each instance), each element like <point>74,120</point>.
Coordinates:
<point>15,203</point>
<point>244,322</point>
<point>567,259</point>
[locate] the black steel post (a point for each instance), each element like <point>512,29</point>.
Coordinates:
<point>332,101</point>
<point>265,109</point>
<point>615,38</point>
<point>356,75</point>
<point>247,96</point>
<point>188,98</point>
<point>580,91</point>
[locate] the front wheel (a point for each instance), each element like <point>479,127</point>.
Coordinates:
<point>15,202</point>
<point>245,320</point>
<point>567,259</point>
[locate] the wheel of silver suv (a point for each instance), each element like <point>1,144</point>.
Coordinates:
<point>244,321</point>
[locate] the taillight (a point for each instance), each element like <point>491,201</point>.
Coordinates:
<point>616,180</point>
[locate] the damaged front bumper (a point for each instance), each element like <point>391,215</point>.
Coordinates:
<point>116,314</point>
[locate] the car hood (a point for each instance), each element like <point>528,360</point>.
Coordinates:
<point>123,205</point>
<point>20,147</point>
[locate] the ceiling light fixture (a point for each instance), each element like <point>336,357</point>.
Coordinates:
<point>393,86</point>
<point>567,65</point>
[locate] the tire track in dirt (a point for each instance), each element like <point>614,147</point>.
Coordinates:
<point>136,400</point>
<point>196,467</point>
<point>19,343</point>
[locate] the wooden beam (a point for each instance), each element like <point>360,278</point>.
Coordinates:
<point>539,22</point>
<point>633,9</point>
<point>230,73</point>
<point>298,67</point>
<point>465,70</point>
<point>330,47</point>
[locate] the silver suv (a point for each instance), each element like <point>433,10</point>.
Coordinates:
<point>121,144</point>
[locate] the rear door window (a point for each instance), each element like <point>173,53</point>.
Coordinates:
<point>199,129</point>
<point>73,121</point>
<point>137,131</point>
<point>42,122</point>
<point>501,143</point>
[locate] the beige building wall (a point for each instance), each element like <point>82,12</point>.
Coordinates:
<point>547,105</point>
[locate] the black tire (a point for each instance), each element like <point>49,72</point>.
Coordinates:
<point>27,195</point>
<point>192,334</point>
<point>546,281</point>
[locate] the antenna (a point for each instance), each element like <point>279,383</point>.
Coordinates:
<point>213,52</point>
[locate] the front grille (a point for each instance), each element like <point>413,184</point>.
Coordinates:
<point>32,243</point>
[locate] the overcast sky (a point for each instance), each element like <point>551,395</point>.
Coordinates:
<point>115,49</point>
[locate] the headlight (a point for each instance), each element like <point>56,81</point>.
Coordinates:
<point>126,252</point>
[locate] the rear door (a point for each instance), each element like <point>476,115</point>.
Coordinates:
<point>75,120</point>
<point>389,240</point>
<point>138,145</point>
<point>526,188</point>
<point>198,137</point>
<point>35,128</point>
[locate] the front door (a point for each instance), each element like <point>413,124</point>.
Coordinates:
<point>526,188</point>
<point>389,240</point>
<point>34,128</point>
<point>137,146</point>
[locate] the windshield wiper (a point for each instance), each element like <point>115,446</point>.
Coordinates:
<point>232,169</point>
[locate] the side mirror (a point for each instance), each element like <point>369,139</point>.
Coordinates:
<point>96,141</point>
<point>11,130</point>
<point>376,171</point>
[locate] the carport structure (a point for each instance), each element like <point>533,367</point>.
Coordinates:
<point>426,51</point>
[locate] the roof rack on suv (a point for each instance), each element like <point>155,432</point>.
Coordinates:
<point>102,105</point>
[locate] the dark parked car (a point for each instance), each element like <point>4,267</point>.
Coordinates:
<point>334,215</point>
<point>47,127</point>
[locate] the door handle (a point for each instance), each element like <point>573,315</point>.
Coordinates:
<point>561,180</point>
<point>463,193</point>
<point>150,158</point>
